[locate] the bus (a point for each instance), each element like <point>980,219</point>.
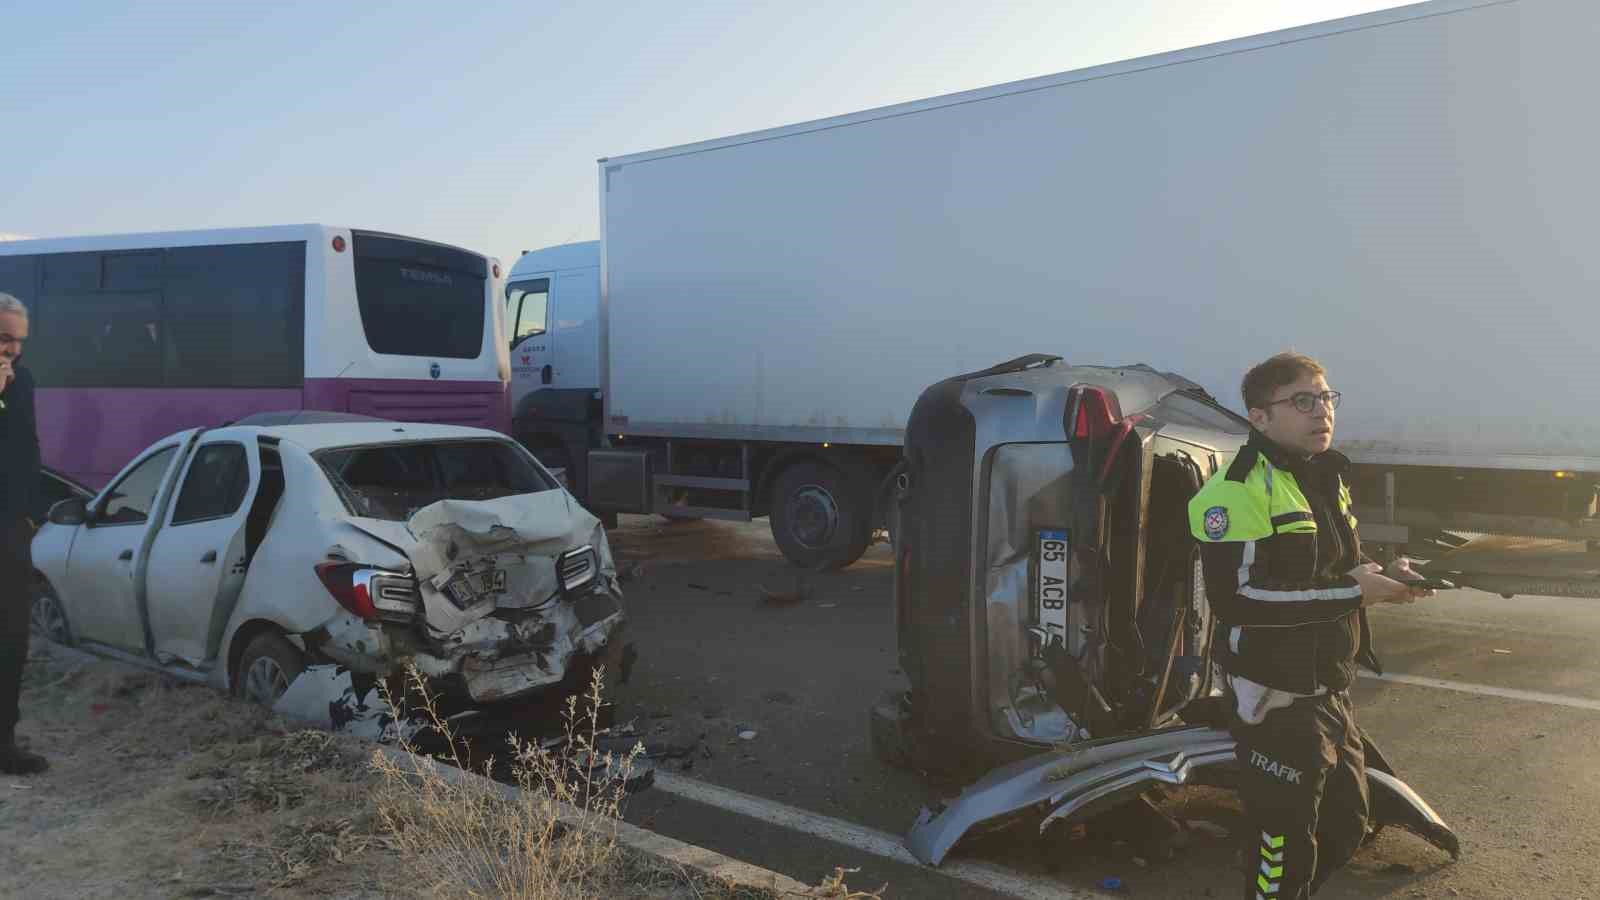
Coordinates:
<point>134,336</point>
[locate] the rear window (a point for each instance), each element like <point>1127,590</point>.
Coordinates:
<point>393,481</point>
<point>1181,409</point>
<point>419,299</point>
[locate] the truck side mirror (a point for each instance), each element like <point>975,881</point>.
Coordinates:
<point>71,511</point>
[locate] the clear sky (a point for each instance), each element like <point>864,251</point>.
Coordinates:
<point>479,123</point>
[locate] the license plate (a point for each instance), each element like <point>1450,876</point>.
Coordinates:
<point>467,588</point>
<point>492,582</point>
<point>1050,592</point>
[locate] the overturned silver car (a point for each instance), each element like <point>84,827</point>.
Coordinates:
<point>248,555</point>
<point>1051,612</point>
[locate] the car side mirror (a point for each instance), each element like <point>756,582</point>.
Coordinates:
<point>71,511</point>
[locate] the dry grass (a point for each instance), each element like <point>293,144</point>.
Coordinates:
<point>551,840</point>
<point>462,838</point>
<point>160,789</point>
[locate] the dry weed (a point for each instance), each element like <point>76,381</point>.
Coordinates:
<point>834,888</point>
<point>269,772</point>
<point>463,838</point>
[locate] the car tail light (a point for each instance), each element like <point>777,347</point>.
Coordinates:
<point>370,594</point>
<point>577,568</point>
<point>1096,413</point>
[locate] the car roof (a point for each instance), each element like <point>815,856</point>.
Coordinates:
<point>323,435</point>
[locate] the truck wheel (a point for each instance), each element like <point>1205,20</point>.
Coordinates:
<point>821,518</point>
<point>267,667</point>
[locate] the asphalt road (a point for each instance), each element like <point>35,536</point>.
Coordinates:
<point>1501,736</point>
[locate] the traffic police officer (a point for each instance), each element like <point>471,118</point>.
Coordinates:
<point>1286,578</point>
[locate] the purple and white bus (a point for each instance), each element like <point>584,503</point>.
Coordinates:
<point>139,335</point>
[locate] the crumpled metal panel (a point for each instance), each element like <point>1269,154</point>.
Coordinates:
<point>325,696</point>
<point>517,632</point>
<point>1078,782</point>
<point>519,536</point>
<point>1050,780</point>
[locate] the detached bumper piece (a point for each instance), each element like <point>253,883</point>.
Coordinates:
<point>1079,782</point>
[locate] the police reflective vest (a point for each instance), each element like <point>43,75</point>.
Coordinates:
<point>1277,541</point>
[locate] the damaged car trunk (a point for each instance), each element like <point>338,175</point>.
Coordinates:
<point>1051,612</point>
<point>499,596</point>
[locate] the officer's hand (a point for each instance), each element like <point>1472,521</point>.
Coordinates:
<point>1379,588</point>
<point>1400,570</point>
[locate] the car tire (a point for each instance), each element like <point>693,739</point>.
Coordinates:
<point>47,618</point>
<point>267,667</point>
<point>821,517</point>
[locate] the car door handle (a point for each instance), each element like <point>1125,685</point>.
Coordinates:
<point>210,557</point>
<point>126,556</point>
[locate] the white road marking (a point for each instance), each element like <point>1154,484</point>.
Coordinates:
<point>848,834</point>
<point>1487,690</point>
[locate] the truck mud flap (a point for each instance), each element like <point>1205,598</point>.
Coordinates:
<point>1079,782</point>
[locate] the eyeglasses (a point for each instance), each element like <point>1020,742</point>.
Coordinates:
<point>1305,401</point>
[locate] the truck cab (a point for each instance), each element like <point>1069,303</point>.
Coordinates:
<point>553,320</point>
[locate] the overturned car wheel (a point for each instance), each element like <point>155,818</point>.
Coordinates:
<point>266,668</point>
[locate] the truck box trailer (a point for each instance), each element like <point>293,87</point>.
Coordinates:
<point>1406,195</point>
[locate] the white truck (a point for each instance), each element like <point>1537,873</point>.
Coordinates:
<point>1408,195</point>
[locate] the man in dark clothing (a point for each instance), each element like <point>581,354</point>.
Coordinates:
<point>19,478</point>
<point>1287,579</point>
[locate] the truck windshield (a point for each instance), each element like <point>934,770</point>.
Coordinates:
<point>393,481</point>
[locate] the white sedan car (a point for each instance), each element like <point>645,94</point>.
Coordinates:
<point>247,554</point>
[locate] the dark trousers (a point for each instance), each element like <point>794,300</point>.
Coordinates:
<point>1304,787</point>
<point>16,602</point>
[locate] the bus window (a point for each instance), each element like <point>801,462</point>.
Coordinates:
<point>221,316</point>
<point>98,339</point>
<point>236,315</point>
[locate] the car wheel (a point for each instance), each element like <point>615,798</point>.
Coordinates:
<point>267,667</point>
<point>47,618</point>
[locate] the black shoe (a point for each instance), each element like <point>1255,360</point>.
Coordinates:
<point>16,761</point>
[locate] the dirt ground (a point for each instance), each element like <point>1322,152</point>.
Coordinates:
<point>159,788</point>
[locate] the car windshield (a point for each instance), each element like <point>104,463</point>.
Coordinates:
<point>393,481</point>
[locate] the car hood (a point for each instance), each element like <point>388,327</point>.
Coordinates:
<point>471,556</point>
